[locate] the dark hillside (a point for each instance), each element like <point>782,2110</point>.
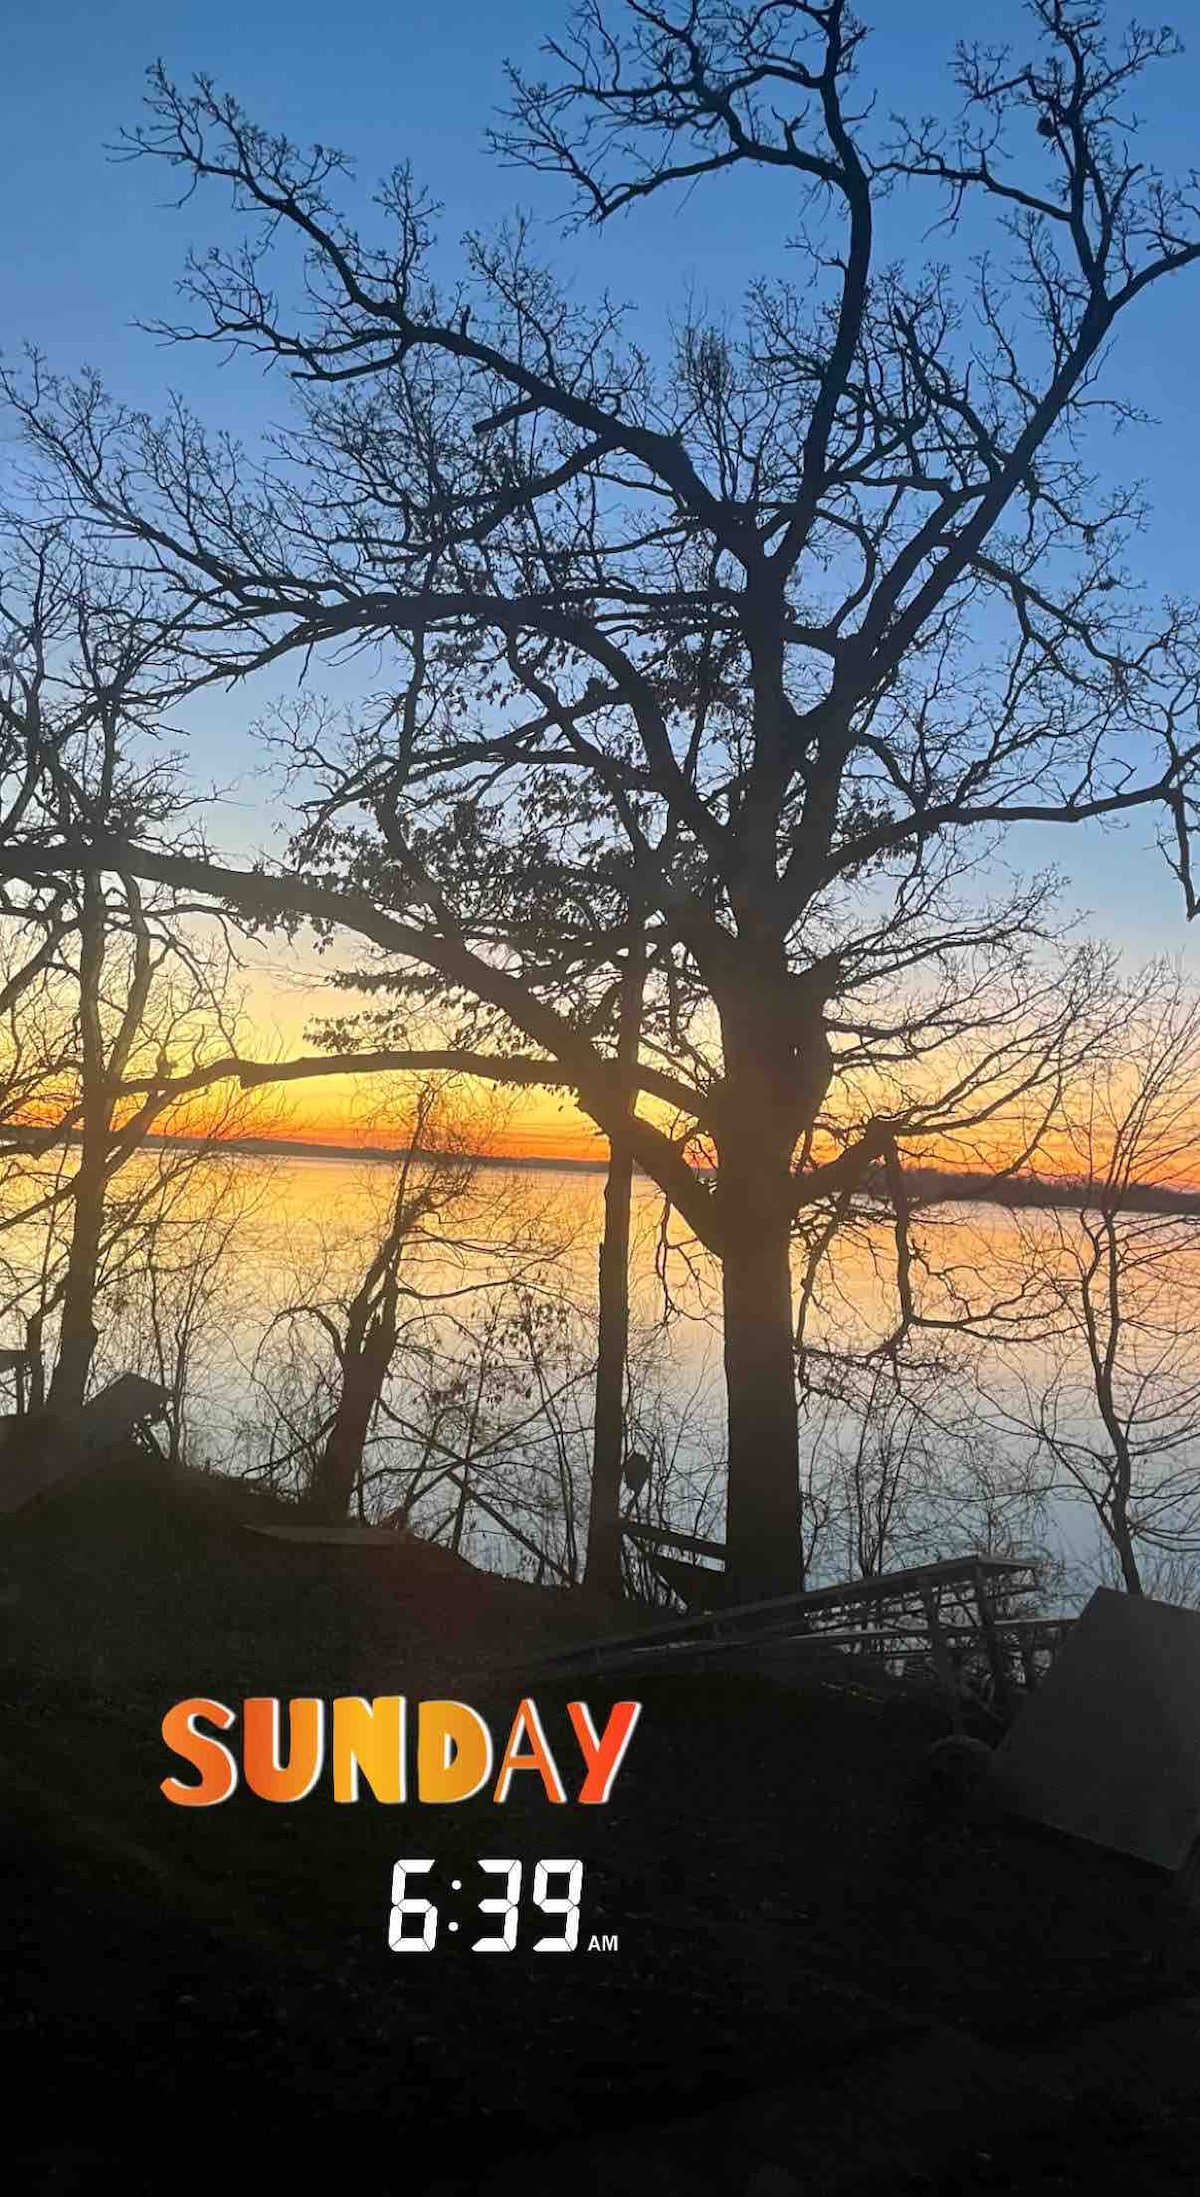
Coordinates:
<point>802,1927</point>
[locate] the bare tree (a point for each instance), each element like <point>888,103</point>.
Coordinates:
<point>812,609</point>
<point>427,1182</point>
<point>445,1377</point>
<point>178,1279</point>
<point>902,1465</point>
<point>1112,1403</point>
<point>97,1172</point>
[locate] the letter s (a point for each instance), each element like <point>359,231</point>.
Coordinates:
<point>218,1770</point>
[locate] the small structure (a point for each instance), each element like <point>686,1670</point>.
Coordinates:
<point>699,1586</point>
<point>123,1415</point>
<point>40,1451</point>
<point>16,1364</point>
<point>337,1537</point>
<point>1108,1748</point>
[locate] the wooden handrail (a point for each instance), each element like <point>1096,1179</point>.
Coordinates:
<point>761,1619</point>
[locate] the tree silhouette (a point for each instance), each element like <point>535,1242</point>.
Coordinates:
<point>812,609</point>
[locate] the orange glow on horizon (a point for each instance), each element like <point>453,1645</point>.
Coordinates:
<point>364,1113</point>
<point>341,1112</point>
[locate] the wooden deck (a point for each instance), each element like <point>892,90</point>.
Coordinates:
<point>961,1619</point>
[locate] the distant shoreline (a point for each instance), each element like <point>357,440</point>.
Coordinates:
<point>926,1185</point>
<point>304,1149</point>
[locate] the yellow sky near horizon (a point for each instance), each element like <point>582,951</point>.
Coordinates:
<point>280,997</point>
<point>281,1000</point>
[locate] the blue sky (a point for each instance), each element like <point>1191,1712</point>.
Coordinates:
<point>89,246</point>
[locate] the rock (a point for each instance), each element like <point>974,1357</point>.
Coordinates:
<point>953,1769</point>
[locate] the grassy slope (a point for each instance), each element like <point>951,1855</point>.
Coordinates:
<point>786,1901</point>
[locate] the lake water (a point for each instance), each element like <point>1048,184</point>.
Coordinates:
<point>252,1263</point>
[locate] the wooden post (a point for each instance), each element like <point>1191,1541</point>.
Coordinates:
<point>16,1362</point>
<point>943,1662</point>
<point>1001,1689</point>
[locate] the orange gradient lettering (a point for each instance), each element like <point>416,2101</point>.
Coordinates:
<point>454,1751</point>
<point>264,1772</point>
<point>528,1725</point>
<point>602,1755</point>
<point>218,1770</point>
<point>368,1736</point>
<point>284,1752</point>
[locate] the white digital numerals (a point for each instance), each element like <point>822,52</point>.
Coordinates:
<point>557,1890</point>
<point>567,1905</point>
<point>407,1913</point>
<point>509,1906</point>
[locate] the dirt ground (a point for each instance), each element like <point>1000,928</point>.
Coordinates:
<point>827,1977</point>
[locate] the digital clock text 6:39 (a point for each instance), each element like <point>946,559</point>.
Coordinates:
<point>555,1893</point>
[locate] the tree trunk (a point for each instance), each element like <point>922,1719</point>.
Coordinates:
<point>364,1372</point>
<point>762,1532</point>
<point>77,1331</point>
<point>603,1569</point>
<point>770,1090</point>
<point>1103,1351</point>
<point>1116,1524</point>
<point>460,1515</point>
<point>34,1326</point>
